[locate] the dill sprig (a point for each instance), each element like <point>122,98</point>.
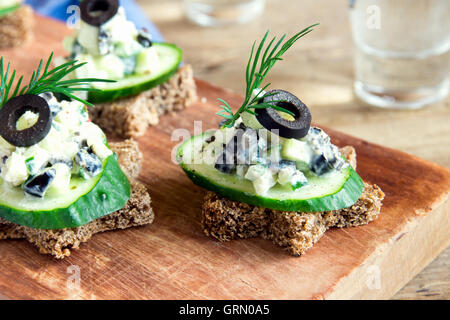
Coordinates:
<point>46,80</point>
<point>254,76</point>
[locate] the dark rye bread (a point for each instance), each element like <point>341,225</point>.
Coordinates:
<point>130,117</point>
<point>129,156</point>
<point>16,28</point>
<point>137,212</point>
<point>296,232</point>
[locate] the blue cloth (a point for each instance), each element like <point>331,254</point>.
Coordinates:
<point>58,10</point>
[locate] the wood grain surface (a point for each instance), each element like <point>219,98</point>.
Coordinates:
<point>319,69</point>
<point>173,259</point>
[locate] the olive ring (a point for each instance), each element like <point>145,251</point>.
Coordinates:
<point>11,113</point>
<point>97,12</point>
<point>271,119</point>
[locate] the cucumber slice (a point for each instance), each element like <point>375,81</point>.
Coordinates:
<point>169,57</point>
<point>331,191</point>
<point>8,10</point>
<point>87,200</point>
<point>296,150</point>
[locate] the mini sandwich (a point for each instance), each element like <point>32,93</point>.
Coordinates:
<point>149,82</point>
<point>60,181</point>
<point>16,23</point>
<point>269,173</point>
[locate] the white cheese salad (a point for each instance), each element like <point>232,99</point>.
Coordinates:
<point>267,160</point>
<point>113,50</point>
<point>74,146</point>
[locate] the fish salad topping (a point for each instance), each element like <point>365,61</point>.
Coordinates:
<point>113,50</point>
<point>73,148</point>
<point>266,159</point>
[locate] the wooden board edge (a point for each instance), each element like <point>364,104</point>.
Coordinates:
<point>376,279</point>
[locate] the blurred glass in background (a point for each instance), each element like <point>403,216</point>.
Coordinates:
<point>401,51</point>
<point>221,12</point>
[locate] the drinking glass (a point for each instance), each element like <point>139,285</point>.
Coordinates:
<point>220,12</point>
<point>401,51</point>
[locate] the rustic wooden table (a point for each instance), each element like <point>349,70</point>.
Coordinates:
<point>319,70</point>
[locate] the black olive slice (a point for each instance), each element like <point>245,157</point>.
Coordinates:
<point>144,38</point>
<point>97,12</point>
<point>38,185</point>
<point>11,113</point>
<point>239,150</point>
<point>320,165</point>
<point>89,162</point>
<point>272,120</point>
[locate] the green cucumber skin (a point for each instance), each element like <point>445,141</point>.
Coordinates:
<point>113,183</point>
<point>5,11</point>
<point>345,197</point>
<point>106,95</point>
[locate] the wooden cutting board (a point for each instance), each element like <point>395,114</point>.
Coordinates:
<point>172,259</point>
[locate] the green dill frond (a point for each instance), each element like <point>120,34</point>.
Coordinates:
<point>46,80</point>
<point>259,64</point>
